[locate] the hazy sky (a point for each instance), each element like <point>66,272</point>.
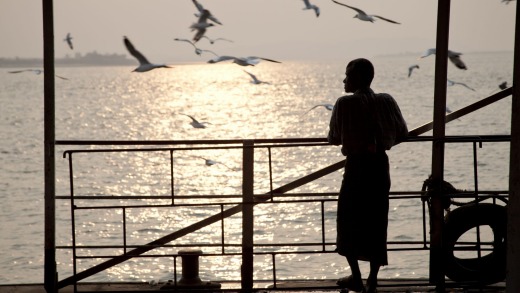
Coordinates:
<point>277,29</point>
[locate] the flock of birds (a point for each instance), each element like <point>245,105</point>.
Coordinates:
<point>203,24</point>
<point>454,57</point>
<point>205,20</point>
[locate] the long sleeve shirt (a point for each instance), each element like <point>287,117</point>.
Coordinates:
<point>364,121</point>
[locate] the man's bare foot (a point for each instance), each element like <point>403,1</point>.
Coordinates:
<point>351,283</point>
<point>371,285</point>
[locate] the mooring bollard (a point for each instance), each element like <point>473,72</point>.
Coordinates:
<point>190,273</point>
<point>190,267</point>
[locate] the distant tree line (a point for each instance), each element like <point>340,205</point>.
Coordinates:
<point>89,59</point>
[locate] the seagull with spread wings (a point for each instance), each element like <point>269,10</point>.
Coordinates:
<point>308,6</point>
<point>212,41</point>
<point>255,80</point>
<point>326,106</point>
<point>210,162</point>
<point>144,64</point>
<point>201,25</point>
<point>198,50</point>
<point>452,83</point>
<point>35,71</point>
<point>201,9</point>
<point>243,61</point>
<point>195,123</point>
<point>361,15</point>
<point>454,57</point>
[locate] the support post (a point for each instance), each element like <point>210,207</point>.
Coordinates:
<point>513,206</point>
<point>247,216</point>
<point>439,110</point>
<point>50,273</point>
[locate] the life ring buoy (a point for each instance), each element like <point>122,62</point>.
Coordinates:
<point>488,269</point>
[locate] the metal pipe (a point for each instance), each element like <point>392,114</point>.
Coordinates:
<point>50,271</point>
<point>247,216</point>
<point>222,230</point>
<point>323,225</point>
<point>270,172</point>
<point>439,113</point>
<point>73,218</point>
<point>124,231</point>
<point>172,178</point>
<point>184,142</point>
<point>273,258</point>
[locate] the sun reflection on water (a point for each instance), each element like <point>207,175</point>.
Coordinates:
<point>115,104</point>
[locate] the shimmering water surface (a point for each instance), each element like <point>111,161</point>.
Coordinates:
<point>111,103</point>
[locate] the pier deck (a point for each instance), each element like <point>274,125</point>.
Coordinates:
<point>325,286</point>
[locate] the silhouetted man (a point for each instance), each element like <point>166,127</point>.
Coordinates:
<point>365,124</point>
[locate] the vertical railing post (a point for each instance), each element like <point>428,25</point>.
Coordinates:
<point>439,131</point>
<point>247,216</point>
<point>50,271</point>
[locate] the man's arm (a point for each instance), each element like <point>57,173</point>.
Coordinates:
<point>334,136</point>
<point>400,125</point>
<point>403,133</point>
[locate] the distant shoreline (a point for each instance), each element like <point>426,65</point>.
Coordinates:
<point>96,59</point>
<point>89,59</point>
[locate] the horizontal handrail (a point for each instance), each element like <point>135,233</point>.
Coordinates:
<point>185,142</point>
<point>393,195</point>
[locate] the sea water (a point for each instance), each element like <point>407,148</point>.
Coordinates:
<point>113,103</point>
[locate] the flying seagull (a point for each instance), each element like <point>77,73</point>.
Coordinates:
<point>326,106</point>
<point>198,51</point>
<point>308,5</point>
<point>411,68</point>
<point>361,15</point>
<point>68,39</point>
<point>195,123</point>
<point>243,61</point>
<point>201,9</point>
<point>452,83</point>
<point>144,64</point>
<point>37,72</point>
<point>212,41</point>
<point>453,56</point>
<point>210,162</point>
<point>255,80</point>
<point>201,25</point>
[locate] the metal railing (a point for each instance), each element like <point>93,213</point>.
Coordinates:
<point>228,205</point>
